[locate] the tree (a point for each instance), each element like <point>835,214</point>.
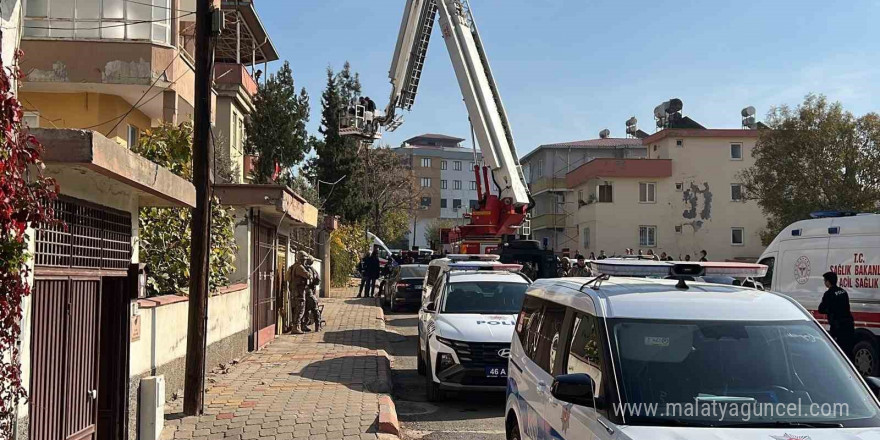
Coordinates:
<point>337,156</point>
<point>165,232</point>
<point>26,202</point>
<point>276,129</point>
<point>816,157</point>
<point>432,230</point>
<point>388,188</point>
<point>347,244</point>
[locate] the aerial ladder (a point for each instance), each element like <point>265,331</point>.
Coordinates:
<point>501,213</point>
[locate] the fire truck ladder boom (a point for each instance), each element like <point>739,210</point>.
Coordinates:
<point>478,87</point>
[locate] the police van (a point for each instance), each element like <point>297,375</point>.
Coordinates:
<point>466,324</point>
<point>843,243</point>
<point>631,355</point>
<point>439,266</point>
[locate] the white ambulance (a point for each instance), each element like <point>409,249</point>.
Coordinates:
<point>848,245</point>
<point>615,357</point>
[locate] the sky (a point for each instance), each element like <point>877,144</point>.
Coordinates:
<point>566,69</point>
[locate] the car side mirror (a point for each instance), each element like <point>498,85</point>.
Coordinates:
<point>431,307</point>
<point>874,385</point>
<point>575,388</point>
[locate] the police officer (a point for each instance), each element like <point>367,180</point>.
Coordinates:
<point>580,268</point>
<point>564,267</point>
<point>299,277</point>
<point>835,304</point>
<point>311,297</point>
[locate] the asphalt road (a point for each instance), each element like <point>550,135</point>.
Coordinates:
<point>469,416</point>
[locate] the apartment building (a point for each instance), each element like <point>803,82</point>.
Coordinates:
<point>546,168</point>
<point>684,197</point>
<point>98,73</point>
<point>443,173</point>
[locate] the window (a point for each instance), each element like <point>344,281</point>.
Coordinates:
<point>107,19</point>
<point>679,142</point>
<point>580,195</point>
<point>678,229</point>
<point>456,165</point>
<point>679,186</point>
<point>737,236</point>
<point>584,356</point>
<point>442,184</point>
<point>767,281</point>
<point>456,184</point>
<point>32,119</point>
<point>443,165</point>
<point>586,233</point>
<point>426,202</point>
<point>736,192</point>
<point>547,346</point>
<point>426,182</point>
<point>647,236</point>
<point>528,324</point>
<point>539,168</point>
<point>132,136</point>
<point>443,203</point>
<point>736,151</point>
<point>456,203</point>
<point>471,165</point>
<point>606,193</point>
<point>476,297</point>
<point>426,162</point>
<point>474,204</point>
<point>647,192</point>
<point>473,185</point>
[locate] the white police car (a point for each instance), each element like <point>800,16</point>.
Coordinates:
<point>466,325</point>
<point>640,358</point>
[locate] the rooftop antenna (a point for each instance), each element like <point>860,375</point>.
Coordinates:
<point>632,126</point>
<point>748,118</point>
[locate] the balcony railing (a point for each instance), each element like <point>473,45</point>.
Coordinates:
<point>226,73</point>
<point>548,221</point>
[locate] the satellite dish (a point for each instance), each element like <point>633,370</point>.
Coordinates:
<point>631,121</point>
<point>605,133</point>
<point>748,111</point>
<point>675,106</point>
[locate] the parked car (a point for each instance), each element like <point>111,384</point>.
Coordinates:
<point>640,358</point>
<point>404,286</point>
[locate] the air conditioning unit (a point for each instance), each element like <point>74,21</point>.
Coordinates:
<point>152,407</point>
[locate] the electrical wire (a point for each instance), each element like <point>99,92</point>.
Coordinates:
<point>130,23</point>
<point>173,59</point>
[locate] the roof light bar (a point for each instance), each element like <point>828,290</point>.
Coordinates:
<point>647,268</point>
<point>487,267</point>
<point>473,257</point>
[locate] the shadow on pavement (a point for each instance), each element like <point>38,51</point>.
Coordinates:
<point>359,373</point>
<point>372,339</point>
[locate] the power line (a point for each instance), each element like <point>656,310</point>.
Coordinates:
<point>173,59</point>
<point>130,23</point>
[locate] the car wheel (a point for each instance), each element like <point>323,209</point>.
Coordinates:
<point>432,389</point>
<point>513,432</point>
<point>866,357</point>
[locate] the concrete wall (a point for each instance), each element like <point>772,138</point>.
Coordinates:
<point>80,110</point>
<point>702,208</point>
<point>161,349</point>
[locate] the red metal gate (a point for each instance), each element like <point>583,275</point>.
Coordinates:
<point>263,285</point>
<point>64,346</point>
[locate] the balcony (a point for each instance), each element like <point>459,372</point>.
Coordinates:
<point>607,167</point>
<point>227,74</point>
<point>548,221</point>
<point>547,184</point>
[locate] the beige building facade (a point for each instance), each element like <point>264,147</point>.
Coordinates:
<point>686,196</point>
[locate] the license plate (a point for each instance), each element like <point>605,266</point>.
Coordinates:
<point>496,371</point>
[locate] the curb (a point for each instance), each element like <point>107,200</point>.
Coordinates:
<point>388,423</point>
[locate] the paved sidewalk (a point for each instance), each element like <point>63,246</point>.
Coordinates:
<point>318,386</point>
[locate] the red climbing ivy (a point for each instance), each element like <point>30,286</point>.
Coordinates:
<point>25,200</point>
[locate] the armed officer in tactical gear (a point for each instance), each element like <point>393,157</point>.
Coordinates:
<point>311,310</point>
<point>300,277</point>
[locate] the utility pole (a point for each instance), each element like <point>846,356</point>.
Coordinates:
<point>193,397</point>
